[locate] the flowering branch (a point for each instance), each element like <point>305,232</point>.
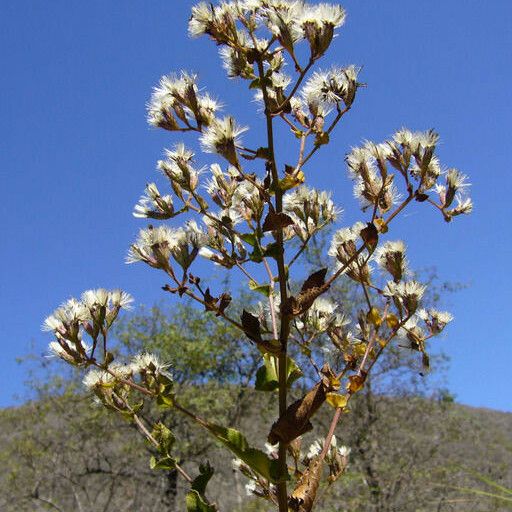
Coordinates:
<point>240,217</point>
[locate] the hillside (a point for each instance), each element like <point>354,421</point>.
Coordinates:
<point>408,454</point>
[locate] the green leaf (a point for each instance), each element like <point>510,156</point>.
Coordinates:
<point>321,139</point>
<point>235,441</point>
<point>261,288</point>
<point>197,503</point>
<point>271,250</point>
<point>267,375</point>
<point>166,463</point>
<point>201,481</point>
<point>255,84</point>
<point>249,238</point>
<point>256,255</point>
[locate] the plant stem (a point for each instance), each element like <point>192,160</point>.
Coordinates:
<point>282,493</point>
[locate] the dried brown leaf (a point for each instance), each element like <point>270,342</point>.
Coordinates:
<point>304,495</point>
<point>274,221</point>
<point>251,326</point>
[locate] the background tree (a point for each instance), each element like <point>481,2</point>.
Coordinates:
<point>412,444</point>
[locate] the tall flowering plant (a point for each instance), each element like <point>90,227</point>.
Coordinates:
<point>250,213</point>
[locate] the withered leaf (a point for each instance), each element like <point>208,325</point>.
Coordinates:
<point>304,495</point>
<point>315,280</point>
<point>224,301</point>
<point>421,197</point>
<point>251,326</point>
<point>336,400</point>
<point>295,421</point>
<point>274,221</point>
<point>425,360</point>
<point>370,236</point>
<point>313,286</point>
<point>267,181</point>
<point>210,301</point>
<point>192,279</point>
<point>356,382</point>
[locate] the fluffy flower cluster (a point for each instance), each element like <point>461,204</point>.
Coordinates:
<point>412,154</point>
<point>156,245</point>
<point>223,138</point>
<point>327,88</point>
<point>93,313</point>
<point>337,457</point>
<point>176,104</point>
<point>344,249</point>
<point>454,190</point>
<point>292,21</point>
<point>141,364</point>
<point>153,205</point>
<point>406,295</point>
<point>316,448</point>
<point>323,316</point>
<point>391,257</point>
<point>227,247</point>
<point>435,320</point>
<point>178,168</point>
<point>288,21</point>
<point>373,186</point>
<point>310,209</point>
<point>247,201</point>
<point>222,185</point>
<point>415,334</point>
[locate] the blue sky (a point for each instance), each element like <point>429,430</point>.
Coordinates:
<point>75,154</point>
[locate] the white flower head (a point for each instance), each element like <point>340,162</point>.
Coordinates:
<point>322,316</point>
<point>149,363</point>
<point>153,205</point>
<point>318,23</point>
<point>408,293</point>
<point>174,100</point>
<point>343,245</point>
<point>216,21</point>
<point>154,246</point>
<point>70,313</point>
<point>223,137</point>
<point>283,20</point>
<point>310,209</point>
<point>391,257</point>
<point>68,352</point>
<point>435,320</point>
<point>177,167</point>
<point>455,189</point>
<point>344,451</point>
<point>236,464</point>
<point>120,298</point>
<point>330,87</point>
<point>250,488</point>
<point>315,449</point>
<point>235,62</point>
<point>372,184</point>
<point>96,378</point>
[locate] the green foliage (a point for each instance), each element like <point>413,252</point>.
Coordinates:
<point>165,439</point>
<point>195,499</point>
<point>237,443</point>
<point>267,378</point>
